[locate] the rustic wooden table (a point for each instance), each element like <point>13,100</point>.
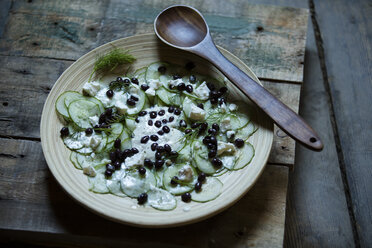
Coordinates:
<point>329,194</point>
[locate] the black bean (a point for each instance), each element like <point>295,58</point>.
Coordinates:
<point>213,140</point>
<point>134,150</point>
<point>213,100</point>
<point>126,81</point>
<point>203,126</point>
<point>164,121</point>
<point>207,140</point>
<point>192,79</point>
<point>117,143</point>
<point>108,112</point>
<point>147,162</point>
<point>211,86</point>
<point>195,125</point>
<point>211,146</point>
<point>162,69</point>
<point>144,87</point>
<point>189,88</point>
<point>216,127</point>
<point>175,77</point>
<point>183,123</point>
<point>166,129</point>
<point>212,153</point>
<point>109,93</point>
<point>157,123</point>
<point>172,87</point>
<point>134,80</point>
<point>110,167</point>
<point>198,186</point>
<point>189,66</point>
<point>213,94</point>
<point>153,114</point>
<point>89,131</point>
<point>161,112</point>
<point>239,143</point>
<point>171,119</point>
<point>142,198</point>
<point>142,170</point>
<point>137,120</point>
<point>158,155</point>
<point>186,197</point>
<point>127,153</point>
<point>131,102</point>
<point>102,119</point>
<point>174,180</point>
<point>167,148</point>
<point>171,109</point>
<point>154,146</point>
<point>144,139</point>
<point>134,98</point>
<point>181,87</point>
<point>200,105</point>
<point>142,113</point>
<point>160,149</point>
<point>221,101</point>
<point>177,111</point>
<point>223,90</point>
<point>201,177</point>
<point>173,154</point>
<point>119,79</point>
<point>160,132</point>
<point>150,123</point>
<point>154,137</point>
<point>212,131</point>
<point>216,162</point>
<point>159,163</point>
<point>108,173</point>
<point>117,165</point>
<point>113,156</point>
<point>187,131</point>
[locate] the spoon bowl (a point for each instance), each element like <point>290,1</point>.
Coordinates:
<point>185,28</point>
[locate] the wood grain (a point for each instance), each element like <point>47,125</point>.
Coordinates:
<point>349,80</point>
<point>50,210</point>
<point>269,39</point>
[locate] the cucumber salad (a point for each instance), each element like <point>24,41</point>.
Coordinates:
<point>159,135</point>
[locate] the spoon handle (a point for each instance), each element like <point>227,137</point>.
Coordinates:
<point>283,116</point>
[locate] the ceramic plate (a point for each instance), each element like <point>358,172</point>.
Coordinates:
<point>147,49</point>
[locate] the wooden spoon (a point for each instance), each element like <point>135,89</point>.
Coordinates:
<point>184,27</point>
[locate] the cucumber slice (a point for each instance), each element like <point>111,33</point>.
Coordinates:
<point>228,161</point>
<point>116,130</point>
<point>168,97</point>
<point>80,111</point>
<point>238,120</point>
<point>184,154</point>
<point>246,132</point>
<point>153,73</point>
<point>211,189</point>
<point>72,141</point>
<point>161,199</point>
<point>126,144</point>
<point>186,106</point>
<point>200,159</point>
<point>133,184</point>
<point>74,161</point>
<point>246,154</point>
<point>130,123</point>
<point>182,186</point>
<point>60,103</point>
<point>114,184</point>
<point>98,184</point>
<point>141,100</point>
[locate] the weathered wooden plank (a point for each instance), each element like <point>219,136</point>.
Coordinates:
<point>4,12</point>
<point>349,78</point>
<point>28,98</point>
<point>31,200</point>
<point>317,213</point>
<point>269,39</point>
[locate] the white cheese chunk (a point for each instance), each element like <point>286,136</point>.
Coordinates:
<point>93,120</point>
<point>225,147</point>
<point>153,84</point>
<point>89,171</point>
<point>175,82</point>
<point>223,108</point>
<point>91,88</point>
<point>136,159</point>
<point>230,134</point>
<point>185,174</point>
<point>225,124</point>
<point>233,107</point>
<point>121,107</point>
<point>202,91</point>
<point>197,113</point>
<point>95,141</point>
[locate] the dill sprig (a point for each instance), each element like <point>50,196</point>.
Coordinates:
<point>110,61</point>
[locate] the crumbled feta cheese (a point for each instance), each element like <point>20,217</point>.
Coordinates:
<point>233,107</point>
<point>168,162</point>
<point>89,171</point>
<point>91,88</point>
<point>225,147</point>
<point>121,107</point>
<point>175,82</point>
<point>225,124</point>
<point>136,159</point>
<point>93,120</point>
<point>223,108</point>
<point>202,91</point>
<point>95,141</point>
<point>230,134</point>
<point>197,113</point>
<point>185,174</point>
<point>197,146</point>
<point>153,84</point>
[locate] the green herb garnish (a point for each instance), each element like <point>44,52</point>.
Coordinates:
<point>112,60</point>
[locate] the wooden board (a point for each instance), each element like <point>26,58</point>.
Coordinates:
<point>348,79</point>
<point>26,183</point>
<point>269,39</point>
